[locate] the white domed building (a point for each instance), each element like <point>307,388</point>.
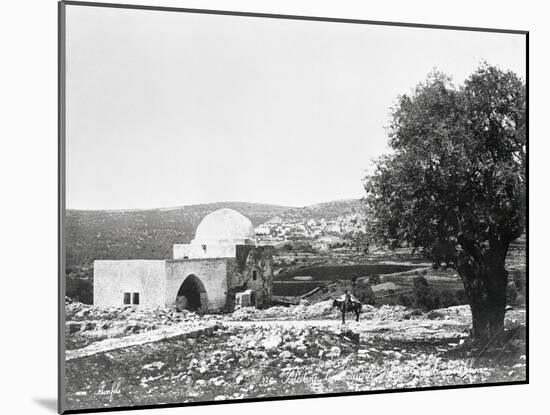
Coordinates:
<point>221,264</point>
<point>217,236</point>
<point>225,226</point>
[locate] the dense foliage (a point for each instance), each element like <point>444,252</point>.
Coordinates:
<point>454,184</point>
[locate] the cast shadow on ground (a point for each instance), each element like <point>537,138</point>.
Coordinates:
<point>48,403</point>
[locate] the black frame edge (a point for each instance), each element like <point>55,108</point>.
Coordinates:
<point>527,274</point>
<point>291,17</point>
<point>61,10</point>
<point>291,398</point>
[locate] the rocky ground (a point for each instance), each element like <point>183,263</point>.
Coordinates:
<point>280,351</point>
<point>86,324</point>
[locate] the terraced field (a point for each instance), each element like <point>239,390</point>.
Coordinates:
<point>292,283</point>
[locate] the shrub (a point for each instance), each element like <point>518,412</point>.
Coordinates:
<point>80,290</point>
<point>363,292</point>
<point>374,279</point>
<point>518,279</point>
<point>433,315</point>
<point>461,296</point>
<point>407,299</point>
<point>367,299</point>
<point>425,297</point>
<point>447,298</point>
<point>414,312</point>
<point>420,282</point>
<point>511,293</point>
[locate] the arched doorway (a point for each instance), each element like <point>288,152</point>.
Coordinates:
<point>192,294</point>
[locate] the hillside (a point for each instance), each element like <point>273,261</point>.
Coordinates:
<point>150,234</point>
<point>146,234</point>
<point>328,210</point>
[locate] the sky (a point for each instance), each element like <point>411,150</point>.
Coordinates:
<point>168,109</point>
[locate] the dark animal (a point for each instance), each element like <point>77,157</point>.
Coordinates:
<point>348,304</point>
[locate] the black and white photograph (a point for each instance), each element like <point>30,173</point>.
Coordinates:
<point>261,207</point>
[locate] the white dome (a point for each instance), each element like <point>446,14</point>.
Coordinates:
<point>224,226</point>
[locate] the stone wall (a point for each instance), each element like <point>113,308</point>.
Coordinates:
<point>211,272</point>
<point>158,281</point>
<point>114,278</point>
<point>193,251</point>
<point>252,268</point>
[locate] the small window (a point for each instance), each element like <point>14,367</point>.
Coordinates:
<point>135,298</point>
<point>126,298</point>
<point>204,248</point>
<point>254,275</point>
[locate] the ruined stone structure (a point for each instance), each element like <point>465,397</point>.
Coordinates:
<point>222,261</point>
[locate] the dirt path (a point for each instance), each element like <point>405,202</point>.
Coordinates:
<point>171,332</point>
<point>390,329</point>
<point>367,325</point>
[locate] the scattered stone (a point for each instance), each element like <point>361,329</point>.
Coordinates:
<point>73,327</point>
<point>350,335</point>
<point>249,353</point>
<point>83,313</point>
<point>272,342</point>
<point>260,355</point>
<point>217,381</point>
<point>88,326</point>
<point>335,351</point>
<point>155,365</point>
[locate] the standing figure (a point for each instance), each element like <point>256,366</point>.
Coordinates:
<point>347,303</point>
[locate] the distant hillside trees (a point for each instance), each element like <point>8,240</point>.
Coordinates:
<point>455,182</point>
<point>360,240</point>
<point>144,234</point>
<point>79,290</point>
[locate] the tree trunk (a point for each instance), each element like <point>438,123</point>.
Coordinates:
<point>485,280</point>
<point>488,318</point>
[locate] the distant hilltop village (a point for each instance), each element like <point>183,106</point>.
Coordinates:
<point>319,231</point>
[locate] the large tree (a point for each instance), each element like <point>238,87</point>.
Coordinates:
<point>454,183</point>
